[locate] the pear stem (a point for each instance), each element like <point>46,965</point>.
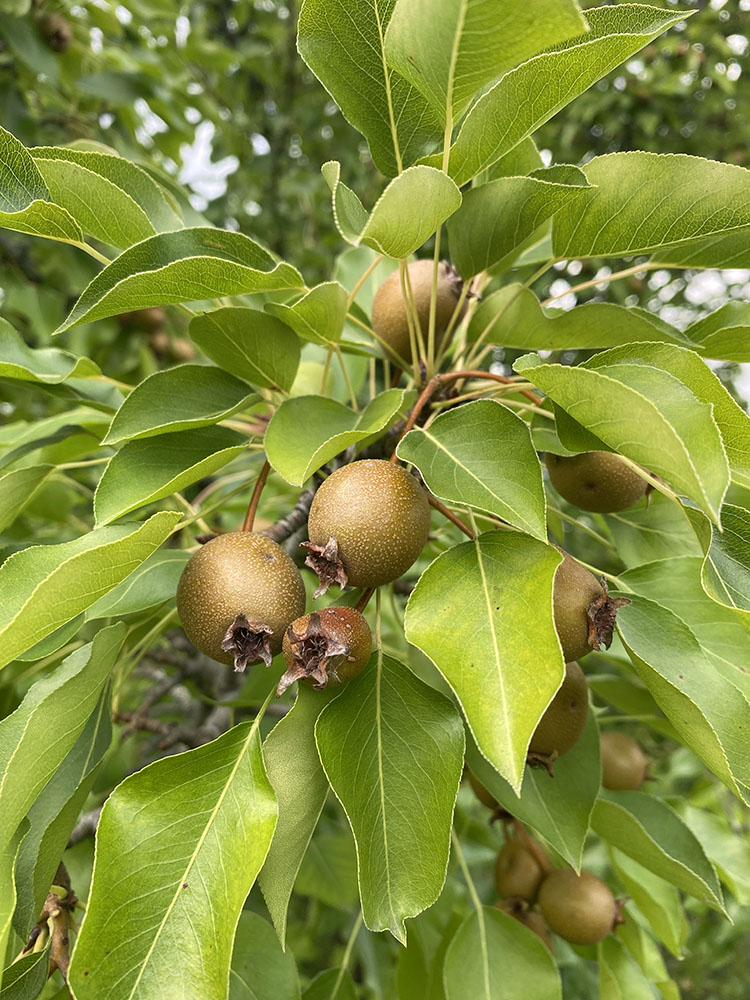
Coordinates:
<point>446,512</point>
<point>532,846</point>
<point>255,498</point>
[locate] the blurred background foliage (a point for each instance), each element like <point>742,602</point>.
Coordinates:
<point>212,97</point>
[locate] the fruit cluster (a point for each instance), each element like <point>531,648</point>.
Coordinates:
<point>577,907</point>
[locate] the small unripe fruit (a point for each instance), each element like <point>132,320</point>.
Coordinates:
<point>236,597</point>
<point>328,646</point>
<point>518,874</point>
<point>584,611</point>
<point>368,523</point>
<point>560,727</point>
<point>624,764</point>
<point>485,797</point>
<point>389,316</point>
<point>57,31</point>
<point>596,480</point>
<point>580,908</point>
<point>149,319</point>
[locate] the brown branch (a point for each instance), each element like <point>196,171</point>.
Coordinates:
<point>446,512</point>
<point>294,520</point>
<point>364,599</point>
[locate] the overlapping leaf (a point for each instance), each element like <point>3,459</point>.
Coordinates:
<point>481,455</point>
<point>711,715</point>
<point>472,612</point>
<point>306,431</point>
<point>614,401</point>
<point>46,364</point>
<point>620,978</point>
<point>151,584</point>
<point>301,788</point>
<point>450,50</point>
<point>18,488</point>
<point>45,586</point>
<point>178,399</point>
<point>641,202</point>
<point>723,334</point>
<point>392,749</point>
<point>513,317</point>
<point>191,264</point>
<point>343,44</point>
<point>186,836</point>
<point>649,831</point>
<point>559,810</point>
<point>494,957</point>
<point>248,343</point>
<point>658,901</point>
<point>531,94</point>
<point>318,316</point>
<point>154,467</point>
<point>726,569</point>
<point>413,206</point>
<point>260,969</point>
<point>59,703</point>
<point>497,219</point>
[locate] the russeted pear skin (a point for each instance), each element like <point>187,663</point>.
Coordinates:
<point>484,796</point>
<point>596,480</point>
<point>518,874</point>
<point>624,764</point>
<point>574,591</point>
<point>342,625</point>
<point>239,572</point>
<point>579,908</point>
<point>562,724</point>
<point>379,515</point>
<point>389,319</point>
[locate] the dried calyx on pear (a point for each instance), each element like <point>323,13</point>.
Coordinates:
<point>584,612</point>
<point>328,646</point>
<point>236,597</point>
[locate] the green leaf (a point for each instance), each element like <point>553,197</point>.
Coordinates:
<point>151,584</point>
<point>198,263</point>
<point>333,984</point>
<point>248,343</point>
<point>101,208</point>
<point>692,371</point>
<point>675,583</point>
<point>45,586</point>
<point>392,749</point>
<point>61,703</point>
<point>658,901</point>
<point>47,365</point>
<point>307,431</point>
<point>513,317</point>
<point>301,788</point>
<point>707,710</point>
<point>649,831</point>
<point>318,316</point>
<point>494,957</point>
<point>616,400</point>
<point>413,206</point>
<point>496,219</point>
<point>481,455</point>
<point>472,612</point>
<point>154,467</point>
<point>84,169</point>
<point>187,835</point>
<point>620,978</point>
<point>8,850</point>
<point>729,853</point>
<point>329,871</point>
<point>451,50</point>
<point>18,488</point>
<point>726,570</point>
<point>531,94</point>
<point>260,969</point>
<point>178,399</point>
<point>343,44</point>
<point>558,809</point>
<point>25,204</point>
<point>26,978</point>
<point>645,534</point>
<point>642,202</point>
<point>54,814</point>
<point>724,334</point>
